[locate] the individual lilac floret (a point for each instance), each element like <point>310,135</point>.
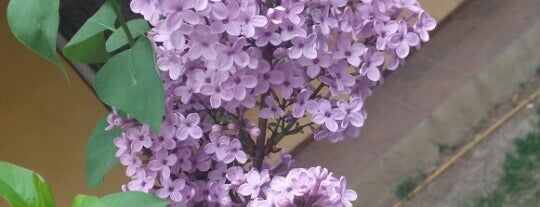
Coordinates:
<point>139,137</point>
<point>350,52</point>
<point>132,162</point>
<point>141,182</point>
<point>267,35</point>
<point>267,77</point>
<point>327,115</point>
<point>303,47</point>
<point>254,181</point>
<point>424,24</point>
<point>250,20</point>
<point>315,65</point>
<point>385,31</point>
<point>188,126</point>
<point>272,110</point>
<point>171,189</point>
<point>371,65</point>
<point>303,104</point>
<point>225,16</point>
<point>231,152</point>
<point>352,112</point>
<point>162,161</point>
<point>403,40</point>
<point>233,55</point>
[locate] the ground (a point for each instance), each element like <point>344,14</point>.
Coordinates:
<point>478,174</point>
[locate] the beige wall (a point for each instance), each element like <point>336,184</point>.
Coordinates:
<point>439,9</point>
<point>46,121</point>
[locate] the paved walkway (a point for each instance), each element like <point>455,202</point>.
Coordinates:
<point>473,63</point>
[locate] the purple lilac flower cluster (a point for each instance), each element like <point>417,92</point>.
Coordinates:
<point>288,60</point>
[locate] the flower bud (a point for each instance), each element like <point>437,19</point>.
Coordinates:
<point>231,126</point>
<point>255,131</point>
<point>216,128</point>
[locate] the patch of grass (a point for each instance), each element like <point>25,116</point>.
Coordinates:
<point>519,169</point>
<point>405,187</point>
<point>522,85</point>
<point>494,199</point>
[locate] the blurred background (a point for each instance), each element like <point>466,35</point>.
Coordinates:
<point>481,62</point>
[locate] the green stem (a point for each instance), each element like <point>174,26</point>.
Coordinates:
<point>260,144</point>
<point>122,20</point>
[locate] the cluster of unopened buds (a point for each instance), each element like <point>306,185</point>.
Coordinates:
<point>297,64</point>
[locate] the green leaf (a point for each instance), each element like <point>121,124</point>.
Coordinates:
<point>132,199</point>
<point>88,44</point>
<point>23,188</point>
<point>87,201</point>
<point>100,153</point>
<point>35,24</point>
<point>130,82</point>
<point>118,39</point>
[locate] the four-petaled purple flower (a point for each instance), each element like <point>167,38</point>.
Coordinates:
<point>162,161</point>
<point>303,46</point>
<point>340,75</point>
<point>272,110</point>
<point>303,104</point>
<point>424,24</point>
<point>233,55</point>
<point>188,126</point>
<point>403,40</point>
<point>384,31</point>
<point>327,115</point>
<point>352,112</point>
<point>139,137</point>
<point>132,162</point>
<point>290,82</point>
<point>350,52</point>
<point>240,83</point>
<point>141,182</point>
<point>255,180</point>
<point>250,20</point>
<point>314,66</point>
<point>231,152</point>
<point>325,22</point>
<point>225,18</point>
<point>370,67</point>
<point>171,189</point>
<point>217,93</point>
<point>267,35</point>
<point>267,77</point>
<point>203,44</point>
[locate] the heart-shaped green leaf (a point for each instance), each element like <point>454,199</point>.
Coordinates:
<point>118,38</point>
<point>88,44</point>
<point>35,24</point>
<point>87,201</point>
<point>23,188</point>
<point>130,82</point>
<point>100,153</point>
<point>133,199</point>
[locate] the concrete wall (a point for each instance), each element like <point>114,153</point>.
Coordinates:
<point>46,120</point>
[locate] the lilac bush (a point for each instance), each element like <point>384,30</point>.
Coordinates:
<point>301,65</point>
